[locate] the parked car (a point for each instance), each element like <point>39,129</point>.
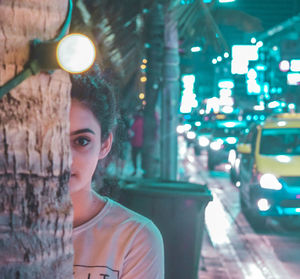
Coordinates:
<point>223,139</point>
<point>234,159</point>
<point>269,169</point>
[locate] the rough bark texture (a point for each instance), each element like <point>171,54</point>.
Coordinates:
<point>35,207</point>
<point>170,101</point>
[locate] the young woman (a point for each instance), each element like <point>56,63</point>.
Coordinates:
<point>110,241</point>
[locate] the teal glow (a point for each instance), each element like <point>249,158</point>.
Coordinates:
<point>291,211</point>
<point>261,67</point>
<point>186,2</point>
<point>196,49</point>
<point>273,104</point>
<point>231,140</point>
<point>230,124</point>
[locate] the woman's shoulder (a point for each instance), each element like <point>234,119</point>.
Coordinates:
<point>120,212</point>
<point>146,232</point>
<point>123,216</point>
<point>144,243</point>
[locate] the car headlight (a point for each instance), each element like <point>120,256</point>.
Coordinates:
<point>216,145</point>
<point>231,140</point>
<point>269,181</point>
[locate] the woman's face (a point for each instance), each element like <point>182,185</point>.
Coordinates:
<point>86,146</point>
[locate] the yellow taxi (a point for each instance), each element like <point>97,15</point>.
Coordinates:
<point>270,169</point>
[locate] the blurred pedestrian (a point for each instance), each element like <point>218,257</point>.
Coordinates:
<point>136,138</point>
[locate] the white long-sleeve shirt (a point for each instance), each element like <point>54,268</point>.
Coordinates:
<point>118,244</point>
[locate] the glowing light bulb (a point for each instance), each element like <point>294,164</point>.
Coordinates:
<point>75,53</point>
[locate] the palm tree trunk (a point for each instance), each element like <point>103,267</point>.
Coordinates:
<point>170,100</point>
<point>155,31</point>
<point>35,207</point>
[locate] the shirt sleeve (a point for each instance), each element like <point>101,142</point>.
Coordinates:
<point>145,258</point>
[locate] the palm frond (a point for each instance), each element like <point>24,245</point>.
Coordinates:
<point>238,19</point>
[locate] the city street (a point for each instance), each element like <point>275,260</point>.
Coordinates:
<point>231,247</point>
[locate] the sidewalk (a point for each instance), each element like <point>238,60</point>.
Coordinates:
<point>211,266</point>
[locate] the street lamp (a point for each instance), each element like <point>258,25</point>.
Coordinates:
<point>74,53</point>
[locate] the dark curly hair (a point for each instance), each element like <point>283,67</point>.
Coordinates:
<point>92,90</point>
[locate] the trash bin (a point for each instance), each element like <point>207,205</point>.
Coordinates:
<point>177,208</point>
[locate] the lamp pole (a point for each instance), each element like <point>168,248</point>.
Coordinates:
<point>170,97</point>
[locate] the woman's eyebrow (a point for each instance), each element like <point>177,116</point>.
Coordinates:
<point>81,131</point>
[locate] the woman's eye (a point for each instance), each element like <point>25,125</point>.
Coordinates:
<point>82,141</point>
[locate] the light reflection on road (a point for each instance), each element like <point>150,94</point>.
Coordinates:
<point>238,250</point>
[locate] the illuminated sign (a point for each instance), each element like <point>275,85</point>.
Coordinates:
<point>239,67</point>
<point>245,52</point>
<point>293,78</point>
<point>229,84</point>
<point>295,65</point>
<point>188,98</point>
<point>284,66</point>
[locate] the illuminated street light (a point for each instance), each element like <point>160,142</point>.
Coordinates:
<point>75,53</point>
<point>295,65</point>
<point>142,96</point>
<point>284,66</point>
<point>226,55</point>
<point>219,58</point>
<point>291,106</point>
<point>259,44</point>
<point>143,79</point>
<point>145,61</point>
<point>143,67</point>
<point>253,40</point>
<point>214,61</point>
